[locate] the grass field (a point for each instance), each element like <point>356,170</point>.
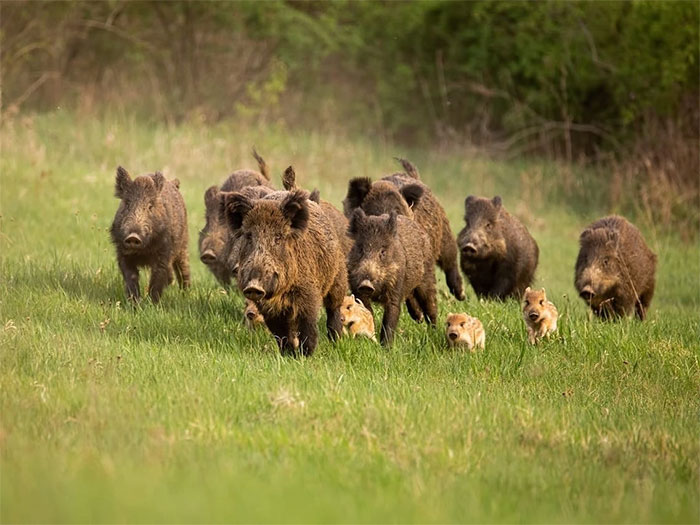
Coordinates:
<point>176,413</point>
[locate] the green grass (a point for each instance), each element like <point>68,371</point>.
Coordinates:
<point>177,413</point>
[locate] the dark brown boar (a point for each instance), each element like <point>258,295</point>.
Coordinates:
<point>407,196</point>
<point>213,238</point>
<point>390,262</point>
<point>339,221</point>
<point>290,264</point>
<point>615,269</point>
<point>498,254</point>
<point>150,229</point>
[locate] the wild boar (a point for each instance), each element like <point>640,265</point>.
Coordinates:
<point>498,254</point>
<point>615,269</point>
<point>465,330</point>
<point>540,315</point>
<point>404,194</point>
<point>150,229</point>
<point>357,319</point>
<point>213,238</point>
<point>389,262</point>
<point>290,264</point>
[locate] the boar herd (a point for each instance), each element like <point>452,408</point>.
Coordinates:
<point>292,253</point>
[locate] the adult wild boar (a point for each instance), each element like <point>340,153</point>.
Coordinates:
<point>213,238</point>
<point>290,264</point>
<point>150,229</point>
<point>408,196</point>
<point>615,269</point>
<point>498,254</point>
<point>390,262</point>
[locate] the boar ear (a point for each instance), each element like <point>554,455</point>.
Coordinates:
<point>356,220</point>
<point>295,208</point>
<point>585,234</point>
<point>358,189</point>
<point>159,180</point>
<point>469,201</point>
<point>289,179</point>
<point>235,206</point>
<point>123,182</point>
<point>391,223</point>
<point>211,197</point>
<point>497,202</point>
<point>315,196</point>
<point>176,183</point>
<point>412,193</point>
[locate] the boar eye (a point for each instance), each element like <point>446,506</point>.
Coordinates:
<point>248,236</point>
<point>527,303</point>
<point>150,207</point>
<point>382,252</point>
<point>606,261</point>
<point>461,324</point>
<point>278,238</point>
<point>542,302</point>
<point>489,225</point>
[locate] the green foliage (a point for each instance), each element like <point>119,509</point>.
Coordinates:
<point>177,413</point>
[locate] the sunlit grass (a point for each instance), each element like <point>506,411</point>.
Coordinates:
<point>177,412</point>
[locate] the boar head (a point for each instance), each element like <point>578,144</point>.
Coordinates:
<point>381,197</point>
<point>482,236</point>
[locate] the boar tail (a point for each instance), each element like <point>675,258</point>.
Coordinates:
<point>264,171</point>
<point>409,168</point>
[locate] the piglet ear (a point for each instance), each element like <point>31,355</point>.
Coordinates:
<point>412,193</point>
<point>123,182</point>
<point>159,180</point>
<point>528,289</point>
<point>211,197</point>
<point>356,221</point>
<point>289,179</point>
<point>234,207</point>
<point>391,223</point>
<point>358,189</point>
<point>497,202</point>
<point>295,208</point>
<point>357,300</point>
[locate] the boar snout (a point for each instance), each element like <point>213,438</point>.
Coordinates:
<point>254,291</point>
<point>133,240</point>
<point>208,257</point>
<point>250,314</point>
<point>452,335</point>
<point>366,286</point>
<point>533,316</point>
<point>587,293</point>
<point>469,249</point>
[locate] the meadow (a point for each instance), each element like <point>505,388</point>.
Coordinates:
<point>177,413</point>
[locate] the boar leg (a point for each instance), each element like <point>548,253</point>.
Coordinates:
<point>448,263</point>
<point>160,277</point>
<point>131,279</point>
<point>414,309</point>
<point>503,284</point>
<point>280,329</point>
<point>181,265</point>
<point>332,303</point>
<point>425,294</point>
<point>308,334</point>
<point>390,320</point>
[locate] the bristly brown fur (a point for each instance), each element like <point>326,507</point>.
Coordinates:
<point>392,254</point>
<point>404,194</point>
<point>150,229</point>
<point>290,264</point>
<point>498,254</point>
<point>214,242</point>
<point>615,269</point>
